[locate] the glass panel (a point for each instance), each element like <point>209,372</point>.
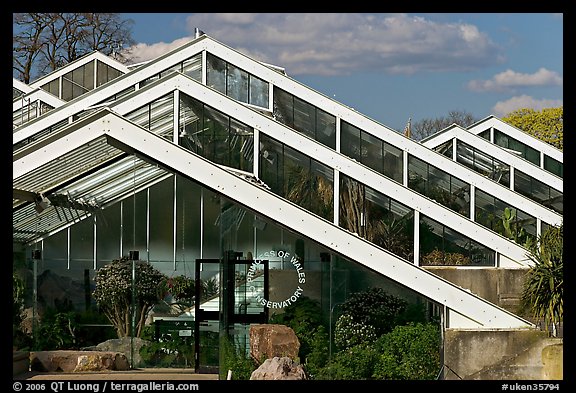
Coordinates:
<point>215,73</point>
<point>439,186</point>
<point>44,108</point>
<point>241,145</point>
<point>283,107</point>
<point>352,205</point>
<point>188,224</point>
<point>101,73</point>
<point>271,164</point>
<point>105,73</point>
<point>259,92</point>
<point>538,191</point>
<point>82,240</point>
<point>297,186</point>
<point>25,114</point>
<point>393,159</point>
<point>532,155</point>
<point>108,234</point>
<point>389,224</point>
<point>553,166</point>
<point>67,87</point>
<point>217,136</point>
<point>193,67</point>
<point>140,116</point>
<point>442,246</point>
<point>237,83</point>
<point>17,93</point>
<point>417,174</point>
<point>191,124</point>
<point>445,149</point>
<point>211,230</point>
<point>149,80</point>
<point>162,116</point>
<point>208,344</point>
<point>304,118</point>
<point>372,149</point>
<point>162,221</point>
<point>486,212</point>
<point>322,192</point>
<point>350,142</point>
<point>485,134</point>
<point>89,76</point>
<point>55,247</point>
<point>326,128</point>
<point>134,225</point>
<point>174,68</point>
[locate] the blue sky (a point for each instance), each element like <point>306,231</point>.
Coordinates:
<point>390,67</point>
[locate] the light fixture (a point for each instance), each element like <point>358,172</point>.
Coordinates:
<point>41,203</point>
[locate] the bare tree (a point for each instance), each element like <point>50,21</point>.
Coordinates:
<point>426,127</point>
<point>43,42</point>
<point>28,42</point>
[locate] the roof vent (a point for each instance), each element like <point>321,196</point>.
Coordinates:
<point>198,32</point>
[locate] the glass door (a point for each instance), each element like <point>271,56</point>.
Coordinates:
<point>207,315</point>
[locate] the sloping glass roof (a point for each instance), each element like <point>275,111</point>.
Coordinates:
<point>69,166</point>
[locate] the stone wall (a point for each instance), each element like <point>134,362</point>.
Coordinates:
<point>501,286</point>
<point>526,354</point>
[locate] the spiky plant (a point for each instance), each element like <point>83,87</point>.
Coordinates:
<point>543,292</point>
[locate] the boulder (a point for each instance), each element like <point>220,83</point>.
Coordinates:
<point>279,368</point>
<point>77,361</point>
<point>273,340</point>
<point>123,345</point>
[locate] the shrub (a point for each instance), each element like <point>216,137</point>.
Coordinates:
<point>410,352</point>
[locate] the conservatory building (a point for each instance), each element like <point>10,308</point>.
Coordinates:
<point>209,164</point>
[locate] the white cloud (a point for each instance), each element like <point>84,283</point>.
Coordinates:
<point>510,79</point>
<point>503,108</point>
<point>144,52</point>
<point>345,43</point>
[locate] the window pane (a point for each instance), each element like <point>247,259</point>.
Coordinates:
<point>326,128</point>
<point>350,141</point>
<point>259,92</point>
<point>216,73</point>
<point>237,84</point>
<point>193,67</point>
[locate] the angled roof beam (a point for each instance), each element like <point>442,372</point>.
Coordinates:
<point>464,309</point>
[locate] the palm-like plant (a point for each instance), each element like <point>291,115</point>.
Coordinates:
<point>543,291</point>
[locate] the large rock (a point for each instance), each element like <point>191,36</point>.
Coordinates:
<point>273,340</point>
<point>78,361</point>
<point>124,345</point>
<point>279,368</point>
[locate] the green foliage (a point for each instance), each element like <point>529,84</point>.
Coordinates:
<point>181,288</point>
<point>20,339</point>
<point>113,293</point>
<point>355,363</point>
<point>409,352</point>
<point>319,354</point>
<point>394,234</point>
<point>304,317</point>
<point>170,350</point>
<point>349,333</point>
<point>376,308</point>
<point>439,258</point>
<point>512,228</point>
<point>235,358</point>
<point>543,292</point>
<point>546,125</point>
<point>56,330</point>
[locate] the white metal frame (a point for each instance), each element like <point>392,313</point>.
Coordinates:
<point>464,309</point>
